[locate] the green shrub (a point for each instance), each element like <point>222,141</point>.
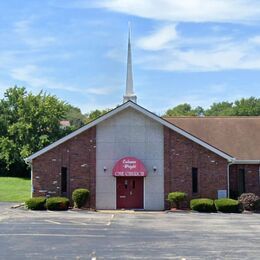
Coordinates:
<point>176,197</point>
<point>36,203</point>
<point>248,201</point>
<point>80,197</point>
<point>227,205</point>
<point>57,203</point>
<point>203,205</point>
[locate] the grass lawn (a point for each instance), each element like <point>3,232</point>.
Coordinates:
<point>14,189</point>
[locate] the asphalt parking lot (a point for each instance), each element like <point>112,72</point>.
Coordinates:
<point>127,235</point>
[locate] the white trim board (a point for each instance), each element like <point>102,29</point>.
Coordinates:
<point>141,110</point>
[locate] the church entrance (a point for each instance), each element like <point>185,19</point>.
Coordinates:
<point>130,192</point>
<point>129,173</point>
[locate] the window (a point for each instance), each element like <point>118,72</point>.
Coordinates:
<point>241,181</point>
<point>63,179</point>
<point>194,180</point>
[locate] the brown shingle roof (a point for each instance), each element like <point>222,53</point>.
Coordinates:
<point>237,136</point>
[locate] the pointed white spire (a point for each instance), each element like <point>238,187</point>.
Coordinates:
<point>129,91</point>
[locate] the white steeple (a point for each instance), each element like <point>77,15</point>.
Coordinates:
<point>129,91</point>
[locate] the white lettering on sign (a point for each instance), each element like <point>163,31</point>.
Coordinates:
<point>127,164</point>
<point>129,174</point>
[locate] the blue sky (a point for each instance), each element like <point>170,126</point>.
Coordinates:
<point>199,51</point>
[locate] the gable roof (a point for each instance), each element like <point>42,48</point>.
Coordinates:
<point>237,136</point>
<point>141,110</point>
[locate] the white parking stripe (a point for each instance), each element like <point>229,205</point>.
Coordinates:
<point>50,235</point>
<point>53,222</point>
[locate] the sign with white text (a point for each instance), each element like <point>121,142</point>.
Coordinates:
<point>129,166</point>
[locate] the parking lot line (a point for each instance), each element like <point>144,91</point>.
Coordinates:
<point>53,222</point>
<point>50,235</point>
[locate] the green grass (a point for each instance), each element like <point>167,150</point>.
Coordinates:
<point>14,189</point>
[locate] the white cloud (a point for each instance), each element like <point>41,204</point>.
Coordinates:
<point>34,39</point>
<point>159,39</point>
<point>31,75</point>
<point>223,54</point>
<point>242,11</point>
<point>255,39</point>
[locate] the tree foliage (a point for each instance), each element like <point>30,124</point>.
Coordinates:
<point>95,114</point>
<point>27,123</point>
<point>184,110</point>
<point>74,115</point>
<point>243,107</point>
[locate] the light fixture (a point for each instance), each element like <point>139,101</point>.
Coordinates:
<point>105,168</point>
<point>154,168</point>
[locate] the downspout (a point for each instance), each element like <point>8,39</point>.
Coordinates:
<point>259,175</point>
<point>228,184</point>
<point>29,162</point>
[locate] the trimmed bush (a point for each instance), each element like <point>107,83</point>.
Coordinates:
<point>80,197</point>
<point>248,201</point>
<point>176,197</point>
<point>57,203</point>
<point>36,203</point>
<point>202,205</point>
<point>227,205</point>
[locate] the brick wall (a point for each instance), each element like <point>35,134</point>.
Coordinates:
<point>79,156</point>
<point>252,182</point>
<point>180,155</point>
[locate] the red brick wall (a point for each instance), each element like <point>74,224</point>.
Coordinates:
<point>180,155</point>
<point>252,182</point>
<point>79,156</point>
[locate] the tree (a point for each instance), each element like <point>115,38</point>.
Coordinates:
<point>247,107</point>
<point>184,110</point>
<point>92,115</point>
<point>74,115</point>
<point>28,123</point>
<point>220,109</point>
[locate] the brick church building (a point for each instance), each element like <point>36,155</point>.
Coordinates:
<point>131,158</point>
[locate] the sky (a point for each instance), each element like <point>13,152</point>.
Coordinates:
<point>193,51</point>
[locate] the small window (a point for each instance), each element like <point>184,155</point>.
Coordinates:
<point>194,180</point>
<point>63,179</point>
<point>241,181</point>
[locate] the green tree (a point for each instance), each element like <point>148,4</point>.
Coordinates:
<point>184,110</point>
<point>74,115</point>
<point>247,107</point>
<point>220,109</point>
<point>28,123</point>
<point>92,115</point>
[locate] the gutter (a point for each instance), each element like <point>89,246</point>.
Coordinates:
<point>246,161</point>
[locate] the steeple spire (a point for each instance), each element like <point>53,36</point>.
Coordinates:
<point>129,91</point>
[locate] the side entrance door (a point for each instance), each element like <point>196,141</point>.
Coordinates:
<point>130,192</point>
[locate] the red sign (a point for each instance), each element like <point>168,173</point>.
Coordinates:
<point>129,166</point>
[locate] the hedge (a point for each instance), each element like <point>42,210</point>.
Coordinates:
<point>57,203</point>
<point>227,205</point>
<point>36,203</point>
<point>80,197</point>
<point>202,205</point>
<point>176,197</point>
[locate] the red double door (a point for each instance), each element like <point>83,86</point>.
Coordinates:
<point>130,192</point>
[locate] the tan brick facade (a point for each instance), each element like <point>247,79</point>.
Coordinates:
<point>78,155</point>
<point>180,155</point>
